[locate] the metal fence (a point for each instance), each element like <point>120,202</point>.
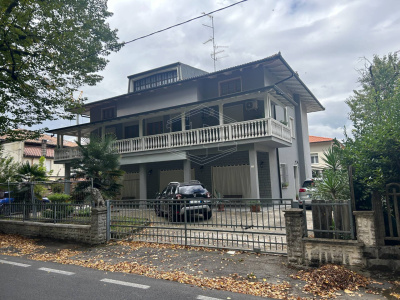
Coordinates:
<point>332,220</point>
<point>53,202</point>
<point>237,224</point>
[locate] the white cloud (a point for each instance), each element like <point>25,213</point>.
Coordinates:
<point>322,40</point>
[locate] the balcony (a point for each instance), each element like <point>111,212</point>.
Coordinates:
<point>247,130</point>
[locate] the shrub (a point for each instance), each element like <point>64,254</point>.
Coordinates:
<point>59,197</point>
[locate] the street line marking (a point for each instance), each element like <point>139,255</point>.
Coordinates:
<point>207,298</point>
<point>56,271</point>
<point>136,285</point>
<point>14,263</point>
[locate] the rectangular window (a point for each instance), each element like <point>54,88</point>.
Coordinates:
<point>314,158</point>
<point>284,175</point>
<point>154,128</point>
<point>132,131</point>
<point>108,113</point>
<point>230,87</point>
<point>155,80</point>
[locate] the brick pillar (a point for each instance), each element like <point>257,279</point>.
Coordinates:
<point>294,235</point>
<point>365,226</point>
<point>98,225</point>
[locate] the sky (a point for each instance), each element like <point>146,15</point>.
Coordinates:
<point>326,42</point>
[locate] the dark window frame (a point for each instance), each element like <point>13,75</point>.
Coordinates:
<point>231,86</point>
<point>155,80</point>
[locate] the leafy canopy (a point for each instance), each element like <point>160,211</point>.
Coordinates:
<point>100,162</point>
<point>48,49</point>
<point>374,149</point>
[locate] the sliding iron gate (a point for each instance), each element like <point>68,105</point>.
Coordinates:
<point>237,224</point>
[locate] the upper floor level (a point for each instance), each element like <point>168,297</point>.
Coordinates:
<point>178,105</point>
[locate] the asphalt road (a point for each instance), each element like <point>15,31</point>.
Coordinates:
<point>27,279</point>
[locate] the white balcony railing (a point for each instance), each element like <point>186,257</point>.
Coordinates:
<point>208,135</point>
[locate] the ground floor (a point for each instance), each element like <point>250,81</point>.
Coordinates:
<point>239,172</point>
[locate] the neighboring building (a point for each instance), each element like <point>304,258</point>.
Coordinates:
<point>242,131</point>
<point>31,151</point>
<point>317,147</point>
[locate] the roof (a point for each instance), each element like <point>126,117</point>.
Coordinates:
<point>319,139</point>
<point>51,140</point>
<point>274,63</point>
<point>36,151</point>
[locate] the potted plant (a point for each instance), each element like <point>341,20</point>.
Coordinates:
<point>220,203</point>
<point>255,205</point>
<point>285,185</point>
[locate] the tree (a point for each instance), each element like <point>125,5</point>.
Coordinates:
<point>100,162</point>
<point>48,49</point>
<point>334,184</point>
<point>374,148</point>
<point>34,172</point>
<point>8,168</point>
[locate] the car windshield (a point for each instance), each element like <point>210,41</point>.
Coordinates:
<point>308,184</point>
<point>192,189</point>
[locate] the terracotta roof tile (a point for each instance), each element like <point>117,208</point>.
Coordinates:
<point>50,140</point>
<point>36,151</point>
<point>318,139</point>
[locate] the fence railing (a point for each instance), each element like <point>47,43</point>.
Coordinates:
<point>331,220</point>
<point>54,201</point>
<point>67,213</point>
<point>244,224</point>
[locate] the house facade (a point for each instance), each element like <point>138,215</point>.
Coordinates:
<point>241,131</point>
<point>318,145</point>
<point>30,151</point>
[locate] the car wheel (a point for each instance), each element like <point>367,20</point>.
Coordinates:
<point>157,209</point>
<point>207,215</point>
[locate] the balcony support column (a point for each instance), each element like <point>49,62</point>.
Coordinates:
<point>187,170</point>
<point>143,181</point>
<point>67,176</point>
<point>183,121</point>
<point>254,185</point>
<point>267,106</point>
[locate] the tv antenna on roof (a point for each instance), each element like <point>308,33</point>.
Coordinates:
<point>215,52</point>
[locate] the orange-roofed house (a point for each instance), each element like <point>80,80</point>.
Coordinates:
<point>31,151</point>
<point>318,145</point>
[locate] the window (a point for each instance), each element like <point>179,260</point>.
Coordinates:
<point>314,158</point>
<point>108,113</point>
<point>155,80</point>
<point>131,131</point>
<point>155,128</point>
<point>284,175</point>
<point>230,87</point>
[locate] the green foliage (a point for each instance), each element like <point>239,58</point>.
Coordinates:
<point>48,49</point>
<point>27,172</point>
<point>100,162</point>
<point>335,181</point>
<point>57,188</point>
<point>59,198</point>
<point>8,168</point>
<point>62,212</point>
<point>374,149</point>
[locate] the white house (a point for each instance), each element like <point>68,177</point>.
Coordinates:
<point>241,131</point>
<point>318,145</point>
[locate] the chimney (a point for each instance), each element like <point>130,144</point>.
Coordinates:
<point>44,147</point>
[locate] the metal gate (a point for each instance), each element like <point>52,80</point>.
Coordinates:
<point>236,224</point>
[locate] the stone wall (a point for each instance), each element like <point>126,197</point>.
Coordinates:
<point>366,251</point>
<point>95,233</point>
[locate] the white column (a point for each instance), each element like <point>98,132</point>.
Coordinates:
<point>143,181</point>
<point>221,113</point>
<point>140,127</point>
<point>187,170</point>
<point>267,106</point>
<point>255,188</point>
<point>183,121</point>
<point>67,176</point>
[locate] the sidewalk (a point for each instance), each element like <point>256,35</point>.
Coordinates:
<point>257,274</point>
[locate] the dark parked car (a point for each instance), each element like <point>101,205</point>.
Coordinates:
<point>184,198</point>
